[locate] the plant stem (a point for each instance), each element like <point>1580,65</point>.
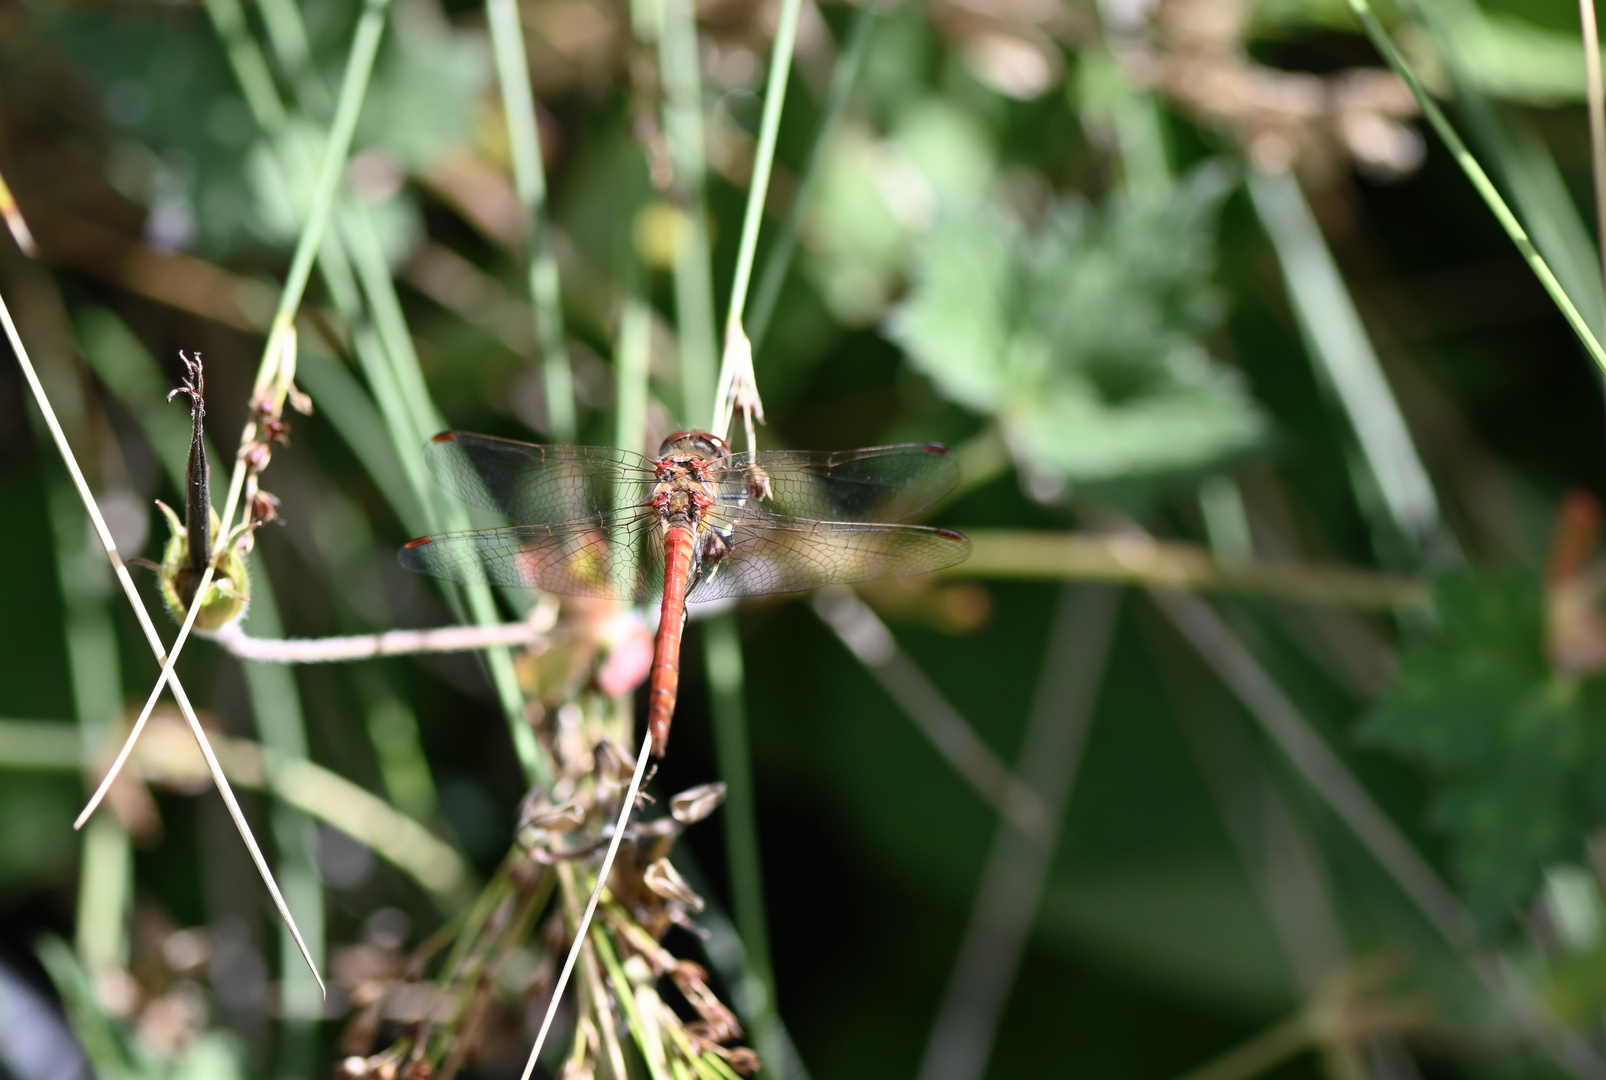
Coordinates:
<point>529,177</point>
<point>103,534</point>
<point>1480,180</point>
<point>439,639</point>
<point>779,260</point>
<point>764,155</point>
<point>683,127</point>
<point>1027,555</point>
<point>726,684</point>
<point>1595,93</point>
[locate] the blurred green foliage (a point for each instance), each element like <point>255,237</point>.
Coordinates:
<point>1517,751</point>
<point>984,258</point>
<point>1081,335</point>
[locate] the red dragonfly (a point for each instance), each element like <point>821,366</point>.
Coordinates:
<point>695,523</point>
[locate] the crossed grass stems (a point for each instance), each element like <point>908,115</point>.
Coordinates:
<point>598,782</point>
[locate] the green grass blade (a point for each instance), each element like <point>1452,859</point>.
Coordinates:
<point>764,155</point>
<point>727,688</point>
<point>683,128</point>
<point>1347,365</point>
<point>1480,181</point>
<point>529,177</point>
<point>843,78</point>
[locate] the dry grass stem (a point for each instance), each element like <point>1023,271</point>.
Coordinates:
<point>155,642</point>
<point>1132,560</point>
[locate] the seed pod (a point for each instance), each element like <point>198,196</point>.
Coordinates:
<point>694,804</point>
<point>179,577</point>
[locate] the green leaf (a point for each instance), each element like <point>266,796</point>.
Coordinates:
<point>1082,336</point>
<point>1518,752</point>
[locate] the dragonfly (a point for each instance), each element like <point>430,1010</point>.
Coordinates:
<point>695,523</point>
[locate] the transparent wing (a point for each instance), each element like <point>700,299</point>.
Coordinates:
<point>612,555</point>
<point>881,483</point>
<point>770,553</point>
<point>528,482</point>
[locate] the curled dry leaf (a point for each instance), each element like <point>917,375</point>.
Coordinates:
<point>662,878</point>
<point>695,804</point>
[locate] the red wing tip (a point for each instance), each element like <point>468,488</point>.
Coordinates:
<point>946,534</point>
<point>420,542</point>
<point>445,436</point>
<point>936,448</point>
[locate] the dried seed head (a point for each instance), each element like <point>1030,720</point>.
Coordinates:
<point>612,766</point>
<point>662,878</point>
<point>694,804</point>
<point>561,818</point>
<point>743,1059</point>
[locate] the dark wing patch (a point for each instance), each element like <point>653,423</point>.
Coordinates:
<point>531,484</point>
<point>774,554</point>
<point>881,483</point>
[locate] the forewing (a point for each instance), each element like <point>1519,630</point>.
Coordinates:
<point>881,483</point>
<point>774,554</point>
<point>533,484</point>
<point>615,556</point>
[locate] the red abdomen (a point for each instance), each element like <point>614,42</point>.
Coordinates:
<point>671,621</point>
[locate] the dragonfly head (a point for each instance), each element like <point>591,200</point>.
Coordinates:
<point>695,443</point>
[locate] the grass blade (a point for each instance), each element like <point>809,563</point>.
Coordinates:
<point>155,642</point>
<point>1339,346</point>
<point>529,177</point>
<point>843,78</point>
<point>1480,181</point>
<point>683,128</point>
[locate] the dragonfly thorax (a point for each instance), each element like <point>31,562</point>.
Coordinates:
<point>683,491</point>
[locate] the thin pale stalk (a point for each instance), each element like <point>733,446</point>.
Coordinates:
<point>330,650</point>
<point>843,78</point>
<point>1281,860</point>
<point>727,689</point>
<point>591,904</point>
<point>1518,155</point>
<point>949,733</point>
<point>1595,94</point>
<point>149,629</point>
<point>1480,181</point>
<point>683,128</point>
<point>529,177</point>
<point>1017,866</point>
